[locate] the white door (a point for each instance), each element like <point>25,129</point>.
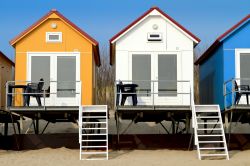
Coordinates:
<point>166,74</point>
<point>61,72</point>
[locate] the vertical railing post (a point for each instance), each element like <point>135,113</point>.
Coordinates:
<point>44,96</point>
<point>190,93</point>
<point>232,90</point>
<point>225,94</point>
<point>7,95</point>
<point>154,92</point>
<point>80,93</point>
<point>115,95</point>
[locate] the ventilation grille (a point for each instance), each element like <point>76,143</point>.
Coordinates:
<point>154,37</point>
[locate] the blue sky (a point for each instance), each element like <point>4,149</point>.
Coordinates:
<point>207,19</point>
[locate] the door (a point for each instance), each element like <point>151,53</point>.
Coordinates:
<point>242,69</point>
<point>156,75</point>
<point>61,74</point>
<point>166,75</point>
<point>141,70</point>
<point>66,77</point>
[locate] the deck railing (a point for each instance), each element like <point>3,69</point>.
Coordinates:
<point>54,91</point>
<point>229,91</point>
<point>178,89</point>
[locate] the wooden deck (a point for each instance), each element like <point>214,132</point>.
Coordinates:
<point>237,113</point>
<point>239,108</point>
<point>48,113</point>
<point>153,113</point>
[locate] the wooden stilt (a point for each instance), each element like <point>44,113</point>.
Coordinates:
<point>117,130</point>
<point>187,125</point>
<point>226,122</point>
<point>6,126</point>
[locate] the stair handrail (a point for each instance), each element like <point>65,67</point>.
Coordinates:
<point>194,124</point>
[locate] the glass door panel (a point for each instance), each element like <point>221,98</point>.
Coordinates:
<point>66,76</point>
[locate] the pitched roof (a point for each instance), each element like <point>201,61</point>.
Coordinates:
<point>64,19</point>
<point>6,58</point>
<point>194,38</point>
<point>220,39</point>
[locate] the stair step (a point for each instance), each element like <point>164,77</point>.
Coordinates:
<point>94,140</point>
<point>103,117</point>
<point>95,158</point>
<point>210,141</point>
<point>94,153</point>
<point>206,111</point>
<point>212,148</point>
<point>208,117</point>
<point>94,122</point>
<point>212,135</point>
<point>218,123</point>
<point>92,128</point>
<point>93,134</point>
<point>94,146</point>
<point>208,155</point>
<point>94,111</point>
<point>209,129</point>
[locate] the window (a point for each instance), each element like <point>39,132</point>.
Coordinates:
<point>244,68</point>
<point>53,37</point>
<point>40,68</point>
<point>66,76</point>
<point>141,73</point>
<point>154,37</point>
<point>167,74</point>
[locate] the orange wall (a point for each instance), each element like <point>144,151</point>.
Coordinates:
<point>6,74</point>
<point>72,41</point>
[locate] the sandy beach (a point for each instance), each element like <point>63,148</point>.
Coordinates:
<point>137,156</point>
<point>67,157</point>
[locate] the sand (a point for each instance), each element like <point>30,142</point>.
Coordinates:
<point>67,157</point>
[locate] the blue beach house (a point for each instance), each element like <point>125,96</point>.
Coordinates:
<point>224,68</point>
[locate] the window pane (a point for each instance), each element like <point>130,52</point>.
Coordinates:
<point>66,76</point>
<point>244,68</point>
<point>40,68</point>
<point>141,70</point>
<point>167,74</point>
<point>53,37</point>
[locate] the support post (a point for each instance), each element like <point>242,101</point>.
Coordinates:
<point>187,123</point>
<point>6,126</point>
<point>226,122</point>
<point>117,129</point>
<point>37,126</point>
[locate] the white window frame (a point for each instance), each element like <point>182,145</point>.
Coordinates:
<point>53,99</point>
<point>237,60</point>
<point>53,33</point>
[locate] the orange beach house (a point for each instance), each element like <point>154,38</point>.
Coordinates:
<point>65,56</point>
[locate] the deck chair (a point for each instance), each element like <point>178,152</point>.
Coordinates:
<point>241,90</point>
<point>35,90</point>
<point>125,92</point>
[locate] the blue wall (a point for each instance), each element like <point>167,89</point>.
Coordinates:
<point>211,75</point>
<point>238,39</point>
<point>220,67</point>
